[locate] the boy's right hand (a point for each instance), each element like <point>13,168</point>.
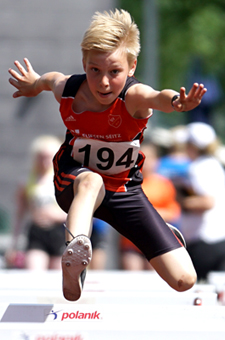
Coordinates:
<point>25,82</point>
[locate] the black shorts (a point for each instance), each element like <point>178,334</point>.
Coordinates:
<point>51,240</point>
<point>130,213</point>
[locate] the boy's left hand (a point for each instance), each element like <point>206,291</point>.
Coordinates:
<point>24,81</point>
<point>187,102</point>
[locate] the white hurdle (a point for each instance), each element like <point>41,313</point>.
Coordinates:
<point>114,305</point>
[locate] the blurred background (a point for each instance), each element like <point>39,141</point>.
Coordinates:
<point>182,42</point>
<point>48,33</point>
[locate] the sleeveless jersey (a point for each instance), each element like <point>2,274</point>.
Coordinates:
<point>106,142</point>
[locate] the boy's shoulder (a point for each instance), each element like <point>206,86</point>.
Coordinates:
<point>72,85</point>
<point>129,82</point>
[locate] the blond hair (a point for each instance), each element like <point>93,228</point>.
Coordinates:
<point>43,143</point>
<point>111,30</point>
<point>210,149</point>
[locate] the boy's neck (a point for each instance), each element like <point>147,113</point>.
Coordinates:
<point>85,101</point>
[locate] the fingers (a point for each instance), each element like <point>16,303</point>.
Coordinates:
<point>20,67</point>
<point>201,90</point>
<point>193,98</point>
<point>17,94</point>
<point>22,70</point>
<point>182,94</point>
<point>28,64</point>
<point>23,79</point>
<point>193,90</point>
<point>15,74</point>
<point>14,83</point>
<point>18,78</point>
<point>197,91</point>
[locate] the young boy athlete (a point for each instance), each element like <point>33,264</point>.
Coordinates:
<point>98,167</point>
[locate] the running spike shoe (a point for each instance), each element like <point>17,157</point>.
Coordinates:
<point>75,259</point>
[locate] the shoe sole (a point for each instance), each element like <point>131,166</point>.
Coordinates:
<point>75,259</point>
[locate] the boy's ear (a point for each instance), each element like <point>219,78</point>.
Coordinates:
<point>133,68</point>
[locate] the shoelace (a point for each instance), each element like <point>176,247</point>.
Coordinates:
<point>68,242</point>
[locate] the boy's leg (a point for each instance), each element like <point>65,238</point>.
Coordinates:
<point>89,193</point>
<point>134,217</point>
<point>176,268</point>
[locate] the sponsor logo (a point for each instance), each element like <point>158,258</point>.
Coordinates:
<point>53,336</point>
<point>70,119</point>
<point>59,337</point>
<point>61,315</point>
<point>54,314</point>
<point>114,136</point>
<point>114,120</point>
<point>81,316</point>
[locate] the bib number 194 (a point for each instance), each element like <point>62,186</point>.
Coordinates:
<point>117,158</point>
<point>106,156</point>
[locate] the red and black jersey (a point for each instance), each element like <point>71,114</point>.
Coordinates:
<point>113,135</point>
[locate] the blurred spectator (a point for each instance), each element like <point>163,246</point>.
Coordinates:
<point>99,239</point>
<point>174,165</point>
<point>36,202</point>
<point>161,193</point>
<point>203,219</point>
<point>220,154</point>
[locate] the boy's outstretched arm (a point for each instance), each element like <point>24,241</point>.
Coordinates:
<point>141,97</point>
<point>29,83</point>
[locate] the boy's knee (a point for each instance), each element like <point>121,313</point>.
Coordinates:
<point>90,181</point>
<point>98,184</point>
<point>186,282</point>
<point>94,181</point>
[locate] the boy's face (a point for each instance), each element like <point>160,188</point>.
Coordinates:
<point>107,73</point>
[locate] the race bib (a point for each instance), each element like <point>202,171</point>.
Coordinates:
<point>108,158</point>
